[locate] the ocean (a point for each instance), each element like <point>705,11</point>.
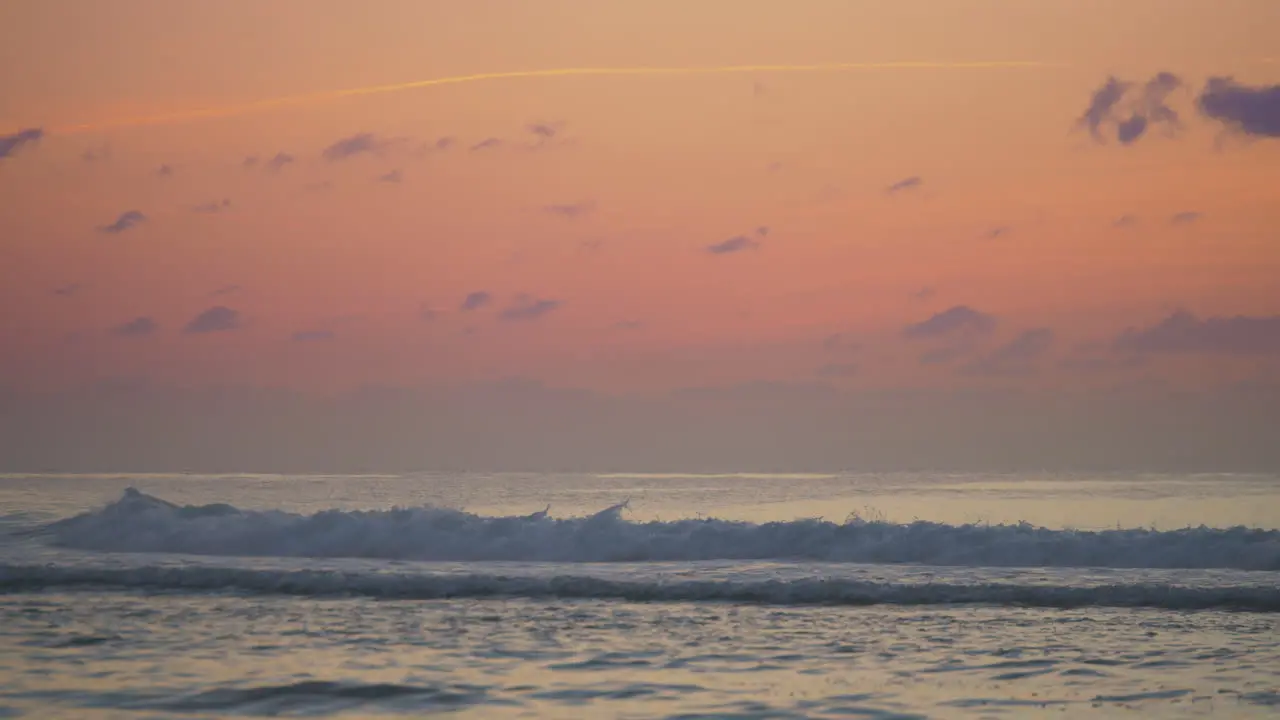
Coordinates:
<point>640,596</point>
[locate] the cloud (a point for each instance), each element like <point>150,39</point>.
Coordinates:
<point>10,144</point>
<point>165,171</point>
<point>225,290</point>
<point>211,208</point>
<point>127,219</point>
<point>629,325</point>
<point>837,370</point>
<point>762,231</point>
<point>1017,357</point>
<point>357,144</point>
<point>67,290</point>
<point>1184,332</point>
<point>840,342</point>
<point>1185,218</point>
<point>943,355</point>
<point>924,293</point>
<point>527,307</point>
<point>486,144</point>
<point>280,160</point>
<point>910,183</point>
<point>138,327</point>
<point>571,210</point>
<point>313,335</point>
<point>394,176</point>
<point>476,300</point>
<point>1125,221</point>
<point>1247,110</point>
<point>218,318</point>
<point>738,243</point>
<point>996,232</point>
<point>544,130</point>
<point>250,161</point>
<point>1131,113</point>
<point>427,313</point>
<point>445,143</point>
<point>959,320</point>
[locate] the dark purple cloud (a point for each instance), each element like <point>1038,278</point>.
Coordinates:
<point>571,210</point>
<point>358,144</point>
<point>910,183</point>
<point>486,144</point>
<point>738,243</point>
<point>10,144</point>
<point>544,130</point>
<point>527,307</point>
<point>127,219</point>
<point>137,327</point>
<point>280,160</point>
<point>1018,357</point>
<point>1130,108</point>
<point>218,318</point>
<point>313,335</point>
<point>476,300</point>
<point>1184,332</point>
<point>959,320</point>
<point>1248,110</point>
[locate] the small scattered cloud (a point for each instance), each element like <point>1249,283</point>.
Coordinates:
<point>225,290</point>
<point>279,162</point>
<point>127,219</point>
<point>1185,218</point>
<point>165,171</point>
<point>1253,111</point>
<point>394,177</point>
<point>735,244</point>
<point>213,207</point>
<point>11,144</point>
<point>67,290</point>
<point>358,144</point>
<point>487,144</point>
<point>93,155</point>
<point>1125,221</point>
<point>762,231</point>
<point>250,162</point>
<point>924,293</point>
<point>527,307</point>
<point>313,335</point>
<point>1130,108</point>
<point>958,320</point>
<point>476,300</point>
<point>571,210</point>
<point>138,327</point>
<point>218,318</point>
<point>910,183</point>
<point>997,232</point>
<point>445,143</point>
<point>1018,357</point>
<point>1184,332</point>
<point>545,130</point>
<point>837,370</point>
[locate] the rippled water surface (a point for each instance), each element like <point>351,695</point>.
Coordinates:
<point>704,597</point>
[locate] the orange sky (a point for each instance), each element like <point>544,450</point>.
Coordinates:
<point>649,171</point>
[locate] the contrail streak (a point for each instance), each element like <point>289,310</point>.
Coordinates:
<point>292,100</point>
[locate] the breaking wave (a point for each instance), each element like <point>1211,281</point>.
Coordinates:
<point>141,523</point>
<point>804,591</point>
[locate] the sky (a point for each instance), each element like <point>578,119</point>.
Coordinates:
<point>730,234</point>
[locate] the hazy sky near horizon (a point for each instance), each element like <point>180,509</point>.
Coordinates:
<point>1096,205</point>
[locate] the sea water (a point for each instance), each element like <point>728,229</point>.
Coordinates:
<point>639,596</point>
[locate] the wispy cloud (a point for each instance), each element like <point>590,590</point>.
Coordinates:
<point>279,162</point>
<point>527,307</point>
<point>138,327</point>
<point>737,243</point>
<point>11,144</point>
<point>997,232</point>
<point>1018,357</point>
<point>214,207</point>
<point>358,144</point>
<point>571,210</point>
<point>218,318</point>
<point>1244,109</point>
<point>1125,221</point>
<point>958,320</point>
<point>394,177</point>
<point>1184,332</point>
<point>476,300</point>
<point>67,290</point>
<point>487,144</point>
<point>910,183</point>
<point>1185,218</point>
<point>1131,109</point>
<point>127,219</point>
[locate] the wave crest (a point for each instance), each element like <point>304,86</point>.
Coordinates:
<point>141,523</point>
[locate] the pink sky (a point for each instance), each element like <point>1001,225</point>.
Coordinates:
<point>590,216</point>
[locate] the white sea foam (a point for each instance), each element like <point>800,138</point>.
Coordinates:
<point>805,591</point>
<point>144,524</point>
